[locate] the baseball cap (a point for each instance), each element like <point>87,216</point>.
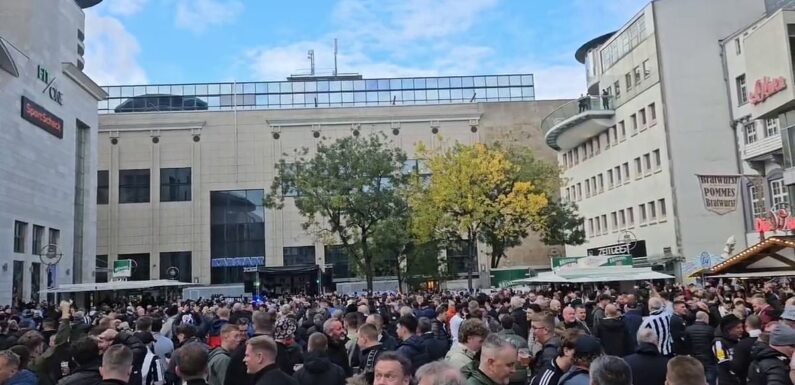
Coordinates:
<point>783,335</point>
<point>587,346</point>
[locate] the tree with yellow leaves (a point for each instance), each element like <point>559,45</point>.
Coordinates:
<point>473,189</point>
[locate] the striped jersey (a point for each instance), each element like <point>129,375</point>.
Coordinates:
<point>549,376</point>
<point>660,322</point>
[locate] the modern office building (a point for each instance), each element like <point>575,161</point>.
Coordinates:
<point>759,73</point>
<point>183,168</point>
<point>651,160</point>
<point>47,149</point>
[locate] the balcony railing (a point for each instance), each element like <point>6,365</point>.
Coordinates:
<point>580,109</point>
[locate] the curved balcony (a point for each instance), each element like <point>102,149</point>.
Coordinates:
<point>576,121</point>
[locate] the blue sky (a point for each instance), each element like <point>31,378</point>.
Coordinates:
<point>182,41</point>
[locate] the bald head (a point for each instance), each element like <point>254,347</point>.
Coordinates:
<point>702,317</point>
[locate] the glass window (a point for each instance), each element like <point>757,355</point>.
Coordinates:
<point>614,217</point>
<point>622,130</point>
<point>140,266</point>
<point>590,227</point>
<point>757,201</point>
<point>587,188</point>
<point>642,213</point>
<point>610,178</point>
<point>101,274</point>
<point>750,133</point>
<point>647,162</point>
<point>638,168</point>
<point>300,255</point>
<point>617,87</point>
<point>601,180</point>
<point>778,192</point>
<point>652,211</point>
<point>38,239</point>
<point>134,186</point>
<point>20,233</point>
<point>237,233</point>
<point>657,160</point>
<point>579,191</point>
<point>737,47</point>
<point>742,93</point>
<point>604,224</point>
<point>55,237</point>
<point>598,226</point>
<point>626,171</point>
<point>176,265</point>
<point>652,112</point>
<point>633,123</point>
<point>628,81</point>
<point>103,189</point>
<point>771,126</point>
<point>622,218</point>
<point>637,75</point>
<point>338,257</point>
<point>630,217</point>
<point>662,208</point>
<point>646,68</point>
<point>175,184</point>
<point>642,114</point>
<point>617,173</point>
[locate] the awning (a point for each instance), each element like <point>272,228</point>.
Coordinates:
<point>7,61</point>
<point>116,285</point>
<point>604,275</point>
<point>756,274</point>
<point>767,249</point>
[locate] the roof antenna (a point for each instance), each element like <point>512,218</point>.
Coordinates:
<point>335,57</point>
<point>311,56</point>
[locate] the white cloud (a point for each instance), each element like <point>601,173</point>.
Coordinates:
<point>111,51</point>
<point>558,81</point>
<point>124,7</point>
<point>198,15</point>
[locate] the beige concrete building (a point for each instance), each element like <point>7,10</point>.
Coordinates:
<point>182,186</point>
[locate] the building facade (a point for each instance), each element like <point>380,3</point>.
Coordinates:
<point>47,149</point>
<point>644,156</point>
<point>182,176</point>
<point>759,74</point>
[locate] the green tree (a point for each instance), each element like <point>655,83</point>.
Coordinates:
<point>346,192</point>
<point>473,190</point>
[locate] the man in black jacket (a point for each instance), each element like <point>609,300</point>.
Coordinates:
<point>411,346</point>
<point>260,362</point>
<point>236,371</point>
<point>436,348</point>
<point>742,351</point>
<point>678,326</point>
<point>544,334</point>
<point>613,334</point>
<point>771,364</point>
<point>317,368</point>
<point>698,341</point>
<point>369,349</point>
<point>648,365</point>
<point>520,325</point>
<point>337,337</point>
<point>723,347</point>
<point>85,354</point>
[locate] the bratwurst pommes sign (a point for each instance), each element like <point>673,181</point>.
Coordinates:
<point>720,192</point>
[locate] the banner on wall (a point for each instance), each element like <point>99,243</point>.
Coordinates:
<point>591,261</point>
<point>720,192</point>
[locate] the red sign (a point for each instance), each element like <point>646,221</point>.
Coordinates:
<point>765,88</point>
<point>42,118</point>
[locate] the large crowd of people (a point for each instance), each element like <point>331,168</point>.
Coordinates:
<point>670,335</point>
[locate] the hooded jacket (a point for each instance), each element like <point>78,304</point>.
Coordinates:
<point>648,365</point>
<point>413,349</point>
<point>218,363</point>
<point>614,335</point>
<point>318,369</point>
<point>575,376</point>
<point>769,366</point>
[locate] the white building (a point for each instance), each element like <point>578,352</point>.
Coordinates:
<point>631,158</point>
<point>168,163</point>
<point>47,147</point>
<point>759,74</point>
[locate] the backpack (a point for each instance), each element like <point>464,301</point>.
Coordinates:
<point>152,370</point>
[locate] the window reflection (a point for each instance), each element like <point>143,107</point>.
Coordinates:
<point>237,233</point>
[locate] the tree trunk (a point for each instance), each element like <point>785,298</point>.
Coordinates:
<point>397,273</point>
<point>496,256</point>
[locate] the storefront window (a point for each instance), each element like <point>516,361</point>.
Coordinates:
<point>237,233</point>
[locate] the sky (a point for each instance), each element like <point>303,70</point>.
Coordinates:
<point>184,41</point>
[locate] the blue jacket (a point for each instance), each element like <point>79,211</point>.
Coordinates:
<point>632,320</point>
<point>575,376</point>
<point>23,377</point>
